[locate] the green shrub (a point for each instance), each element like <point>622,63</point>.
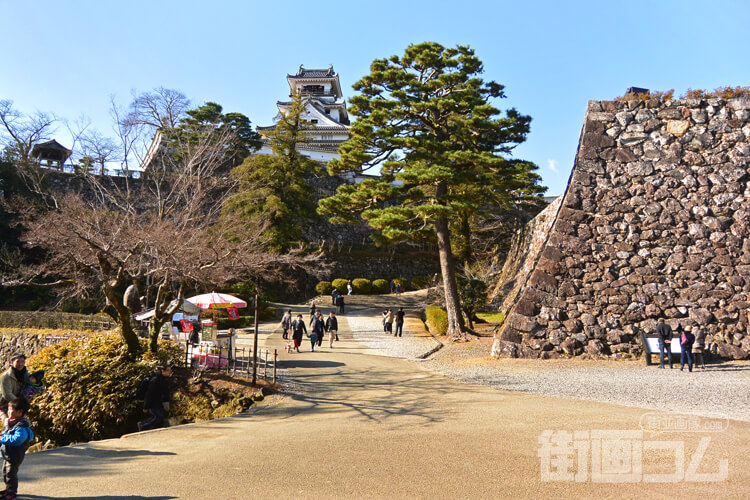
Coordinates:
<point>404,283</point>
<point>380,286</point>
<point>91,386</point>
<point>437,319</point>
<point>324,288</point>
<point>420,282</point>
<point>361,286</point>
<point>340,285</point>
<point>241,322</point>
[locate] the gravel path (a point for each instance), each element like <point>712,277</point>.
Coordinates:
<point>722,390</point>
<point>368,330</point>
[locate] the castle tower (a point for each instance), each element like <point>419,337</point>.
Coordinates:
<point>325,109</point>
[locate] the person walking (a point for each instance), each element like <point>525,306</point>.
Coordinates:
<point>389,322</point>
<point>398,288</point>
<point>313,308</point>
<point>317,327</point>
<point>399,322</point>
<point>385,315</point>
<point>699,346</point>
<point>286,324</point>
<point>664,331</point>
<point>298,329</point>
<point>156,401</point>
<point>15,440</point>
<point>686,349</point>
<point>321,332</point>
<point>334,294</point>
<point>332,327</point>
<point>340,303</point>
<point>349,288</point>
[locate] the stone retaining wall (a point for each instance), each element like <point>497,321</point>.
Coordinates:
<point>11,343</point>
<point>655,222</point>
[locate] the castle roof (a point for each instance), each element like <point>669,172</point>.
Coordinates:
<point>314,73</point>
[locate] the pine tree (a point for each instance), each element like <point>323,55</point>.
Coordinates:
<point>274,193</point>
<point>426,120</point>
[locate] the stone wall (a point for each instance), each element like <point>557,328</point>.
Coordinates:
<point>522,257</point>
<point>11,343</point>
<point>655,222</point>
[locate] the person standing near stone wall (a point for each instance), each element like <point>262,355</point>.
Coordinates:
<point>664,331</point>
<point>699,346</point>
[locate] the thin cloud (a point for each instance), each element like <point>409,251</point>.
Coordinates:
<point>552,165</point>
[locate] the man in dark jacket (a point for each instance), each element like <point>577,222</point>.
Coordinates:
<point>399,322</point>
<point>340,303</point>
<point>332,327</point>
<point>664,331</point>
<point>156,401</point>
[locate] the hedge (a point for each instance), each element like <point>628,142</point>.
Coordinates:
<point>437,318</point>
<point>361,286</point>
<point>241,322</point>
<point>404,283</point>
<point>380,286</point>
<point>340,285</point>
<point>324,288</point>
<point>419,282</point>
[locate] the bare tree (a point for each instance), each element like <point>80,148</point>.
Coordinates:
<point>166,229</point>
<point>20,132</point>
<point>161,108</point>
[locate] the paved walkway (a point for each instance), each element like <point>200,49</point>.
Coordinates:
<point>358,425</point>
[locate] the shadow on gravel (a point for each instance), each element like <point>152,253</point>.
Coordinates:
<point>105,497</point>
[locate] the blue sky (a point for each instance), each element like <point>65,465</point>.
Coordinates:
<point>68,57</point>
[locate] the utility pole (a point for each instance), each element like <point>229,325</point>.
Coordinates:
<point>255,344</point>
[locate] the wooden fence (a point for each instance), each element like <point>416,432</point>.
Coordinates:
<point>234,360</point>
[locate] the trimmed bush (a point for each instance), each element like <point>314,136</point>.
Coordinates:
<point>340,285</point>
<point>437,319</point>
<point>361,286</point>
<point>324,288</point>
<point>404,283</point>
<point>241,322</point>
<point>380,286</point>
<point>91,386</point>
<point>420,282</point>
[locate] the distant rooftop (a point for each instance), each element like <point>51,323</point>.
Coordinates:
<point>314,73</point>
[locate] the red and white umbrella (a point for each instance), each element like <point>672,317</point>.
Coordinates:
<point>215,300</point>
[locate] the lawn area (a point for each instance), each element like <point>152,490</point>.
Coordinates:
<point>495,317</point>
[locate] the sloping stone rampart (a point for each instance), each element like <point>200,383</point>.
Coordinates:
<point>522,256</point>
<point>655,222</point>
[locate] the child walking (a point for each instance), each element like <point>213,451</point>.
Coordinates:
<point>17,435</point>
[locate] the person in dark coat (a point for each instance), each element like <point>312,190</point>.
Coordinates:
<point>318,328</point>
<point>399,322</point>
<point>340,303</point>
<point>313,308</point>
<point>156,401</point>
<point>664,331</point>
<point>332,327</point>
<point>298,329</point>
<point>686,349</point>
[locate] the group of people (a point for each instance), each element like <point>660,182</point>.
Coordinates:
<point>389,318</point>
<point>691,345</point>
<point>17,388</point>
<point>294,330</point>
<point>336,300</point>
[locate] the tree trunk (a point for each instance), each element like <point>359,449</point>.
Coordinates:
<point>123,318</point>
<point>448,268</point>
